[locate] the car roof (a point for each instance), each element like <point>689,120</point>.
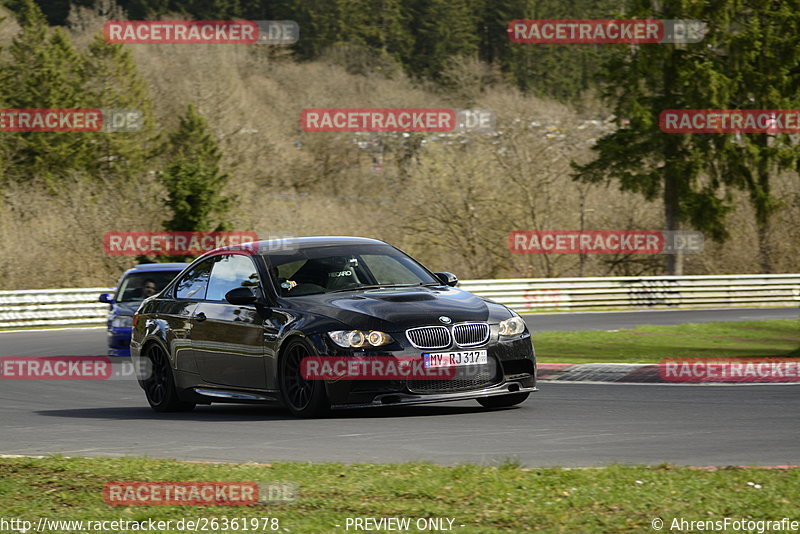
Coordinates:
<point>158,267</point>
<point>299,243</point>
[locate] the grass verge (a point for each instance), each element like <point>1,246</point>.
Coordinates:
<point>505,498</point>
<point>650,344</point>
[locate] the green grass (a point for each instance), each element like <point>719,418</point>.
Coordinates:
<point>649,344</point>
<point>505,498</point>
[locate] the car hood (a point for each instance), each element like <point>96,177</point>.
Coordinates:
<point>395,309</point>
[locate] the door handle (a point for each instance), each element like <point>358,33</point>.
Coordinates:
<point>200,317</point>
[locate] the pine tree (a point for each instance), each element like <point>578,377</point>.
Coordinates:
<point>763,62</point>
<point>207,9</point>
<point>561,71</point>
<point>645,80</point>
<point>193,178</point>
<point>145,9</point>
<point>45,71</point>
<point>379,24</point>
<point>55,11</point>
<point>443,29</point>
<point>320,22</point>
<point>2,105</point>
<point>116,84</point>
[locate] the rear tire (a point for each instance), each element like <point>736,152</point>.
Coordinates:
<point>304,398</point>
<point>159,387</point>
<point>503,401</point>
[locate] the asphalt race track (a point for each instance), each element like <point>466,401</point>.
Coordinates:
<point>563,424</point>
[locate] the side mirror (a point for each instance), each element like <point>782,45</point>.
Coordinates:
<point>448,279</point>
<point>106,298</point>
<point>241,296</point>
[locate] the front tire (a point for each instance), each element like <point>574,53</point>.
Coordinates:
<point>304,398</point>
<point>503,401</point>
<point>159,387</point>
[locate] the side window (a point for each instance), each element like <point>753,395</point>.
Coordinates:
<point>193,284</point>
<point>230,272</point>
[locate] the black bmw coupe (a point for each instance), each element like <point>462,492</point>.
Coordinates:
<point>238,324</point>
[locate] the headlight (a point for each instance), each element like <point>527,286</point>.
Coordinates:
<point>122,321</point>
<point>377,338</point>
<point>512,326</point>
<point>357,338</point>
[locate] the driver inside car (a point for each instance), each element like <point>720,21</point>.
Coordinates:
<point>284,285</point>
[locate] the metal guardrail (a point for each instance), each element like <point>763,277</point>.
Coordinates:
<point>641,292</point>
<point>45,307</point>
<point>53,307</point>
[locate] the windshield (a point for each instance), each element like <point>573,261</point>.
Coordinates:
<point>139,286</point>
<point>345,268</point>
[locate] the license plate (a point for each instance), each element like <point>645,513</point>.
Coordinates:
<point>455,359</point>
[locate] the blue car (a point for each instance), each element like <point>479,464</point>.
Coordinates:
<point>134,286</point>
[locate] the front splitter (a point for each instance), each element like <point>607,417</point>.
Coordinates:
<point>401,399</point>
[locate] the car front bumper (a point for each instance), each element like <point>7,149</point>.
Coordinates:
<point>398,399</point>
<point>513,370</point>
<point>119,341</point>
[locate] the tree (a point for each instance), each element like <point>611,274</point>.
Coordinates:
<point>443,29</point>
<point>377,38</point>
<point>382,25</point>
<point>115,84</point>
<point>320,24</point>
<point>193,178</point>
<point>2,105</point>
<point>561,71</point>
<point>45,71</point>
<point>763,55</point>
<point>641,82</point>
<point>55,11</point>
